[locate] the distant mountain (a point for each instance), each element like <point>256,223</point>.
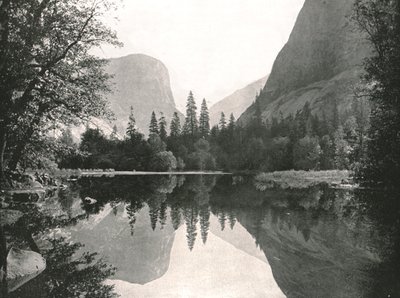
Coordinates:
<point>142,82</point>
<point>139,257</point>
<point>237,102</point>
<point>321,63</point>
<point>139,81</point>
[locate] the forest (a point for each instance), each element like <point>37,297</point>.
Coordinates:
<point>303,142</point>
<point>54,85</point>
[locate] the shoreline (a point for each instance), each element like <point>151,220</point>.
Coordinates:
<point>146,173</point>
<point>305,179</point>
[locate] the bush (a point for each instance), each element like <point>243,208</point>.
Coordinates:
<point>279,157</point>
<point>105,163</point>
<point>306,154</point>
<point>163,161</point>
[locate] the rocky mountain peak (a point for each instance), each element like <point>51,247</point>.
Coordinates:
<point>320,62</point>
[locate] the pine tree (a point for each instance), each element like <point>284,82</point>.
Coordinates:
<point>191,126</point>
<point>222,121</point>
<point>176,218</point>
<point>162,124</point>
<point>153,127</point>
<point>191,218</point>
<point>175,127</point>
<point>131,130</point>
<point>163,215</point>
<point>257,123</point>
<point>153,214</point>
<point>132,209</point>
<point>222,219</point>
<point>204,121</point>
<point>232,122</point>
<point>231,219</point>
<point>204,222</point>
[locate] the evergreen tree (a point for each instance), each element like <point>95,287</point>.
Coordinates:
<point>204,121</point>
<point>257,123</point>
<point>342,150</point>
<point>204,222</point>
<point>163,215</point>
<point>131,130</point>
<point>162,124</point>
<point>175,127</point>
<point>153,127</point>
<point>231,219</point>
<point>222,219</point>
<point>191,219</point>
<point>153,214</point>
<point>232,122</point>
<point>222,121</point>
<point>132,209</point>
<point>175,214</point>
<point>327,153</point>
<point>191,126</point>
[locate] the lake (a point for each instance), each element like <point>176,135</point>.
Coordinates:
<point>212,236</point>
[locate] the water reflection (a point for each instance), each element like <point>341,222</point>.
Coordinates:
<point>70,270</point>
<point>203,236</point>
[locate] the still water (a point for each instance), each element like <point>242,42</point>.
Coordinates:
<point>212,236</point>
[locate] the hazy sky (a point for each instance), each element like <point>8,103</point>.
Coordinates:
<point>212,47</point>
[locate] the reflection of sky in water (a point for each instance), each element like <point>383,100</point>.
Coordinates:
<point>214,269</point>
<point>159,263</point>
<point>319,243</point>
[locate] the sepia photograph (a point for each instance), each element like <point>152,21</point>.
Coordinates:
<point>200,149</point>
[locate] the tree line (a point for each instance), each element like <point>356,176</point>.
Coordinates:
<point>49,80</point>
<point>177,147</point>
<point>304,141</point>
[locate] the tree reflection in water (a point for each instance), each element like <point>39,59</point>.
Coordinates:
<point>69,272</point>
<point>69,275</point>
<point>319,242</point>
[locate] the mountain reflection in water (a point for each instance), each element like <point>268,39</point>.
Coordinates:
<point>209,236</point>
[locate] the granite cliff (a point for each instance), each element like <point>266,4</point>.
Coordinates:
<point>321,63</point>
<point>142,82</point>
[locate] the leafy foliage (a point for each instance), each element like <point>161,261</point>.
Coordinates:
<point>48,78</point>
<point>380,21</point>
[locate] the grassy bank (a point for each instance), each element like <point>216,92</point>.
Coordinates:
<point>301,179</point>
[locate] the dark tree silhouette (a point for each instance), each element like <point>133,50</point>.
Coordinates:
<point>191,126</point>
<point>153,127</point>
<point>204,120</point>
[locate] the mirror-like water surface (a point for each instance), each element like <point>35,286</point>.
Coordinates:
<point>210,236</point>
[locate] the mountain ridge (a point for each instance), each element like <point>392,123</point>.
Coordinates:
<point>237,102</point>
<point>321,63</point>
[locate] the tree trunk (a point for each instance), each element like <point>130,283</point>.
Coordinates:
<point>21,146</point>
<point>3,145</point>
<point>19,150</point>
<point>3,263</point>
<point>4,32</point>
